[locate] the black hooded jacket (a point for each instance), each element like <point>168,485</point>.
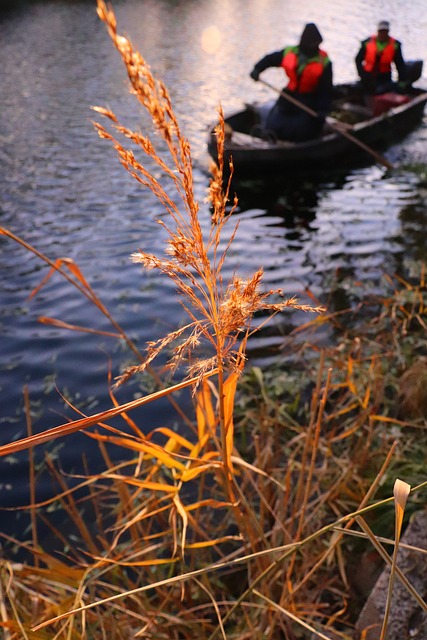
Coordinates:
<point>320,99</point>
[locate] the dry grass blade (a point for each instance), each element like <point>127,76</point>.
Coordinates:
<point>361,534</point>
<point>6,589</point>
<point>76,279</point>
<point>54,322</point>
<point>84,423</point>
<point>32,474</point>
<point>401,492</point>
<point>3,609</point>
<point>290,615</point>
<point>215,606</point>
<point>384,555</point>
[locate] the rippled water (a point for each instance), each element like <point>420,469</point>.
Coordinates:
<point>63,191</point>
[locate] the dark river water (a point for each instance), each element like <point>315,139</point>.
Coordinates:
<point>63,191</point>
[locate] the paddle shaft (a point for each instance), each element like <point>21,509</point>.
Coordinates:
<point>342,132</point>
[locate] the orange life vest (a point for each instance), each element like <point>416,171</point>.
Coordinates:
<point>386,56</point>
<point>303,79</point>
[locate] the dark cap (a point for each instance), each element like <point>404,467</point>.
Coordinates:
<point>383,25</point>
<point>310,37</point>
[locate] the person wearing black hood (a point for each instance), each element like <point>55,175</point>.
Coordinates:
<point>309,70</point>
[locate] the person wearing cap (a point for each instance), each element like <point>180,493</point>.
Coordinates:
<point>309,72</point>
<point>375,58</point>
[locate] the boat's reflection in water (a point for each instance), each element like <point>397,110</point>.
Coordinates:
<point>292,200</point>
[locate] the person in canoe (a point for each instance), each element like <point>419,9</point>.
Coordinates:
<point>374,62</point>
<point>309,71</point>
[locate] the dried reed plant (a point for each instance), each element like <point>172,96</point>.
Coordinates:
<point>220,313</point>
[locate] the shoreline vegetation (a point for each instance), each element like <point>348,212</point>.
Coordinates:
<point>252,524</point>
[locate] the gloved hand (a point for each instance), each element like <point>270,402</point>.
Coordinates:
<point>254,75</point>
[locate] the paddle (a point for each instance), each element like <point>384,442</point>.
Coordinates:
<point>335,127</point>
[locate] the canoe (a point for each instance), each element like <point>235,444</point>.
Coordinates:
<point>255,150</point>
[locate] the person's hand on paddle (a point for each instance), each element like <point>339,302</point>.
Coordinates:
<point>254,74</point>
<point>338,124</point>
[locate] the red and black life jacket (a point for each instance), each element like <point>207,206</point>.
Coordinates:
<point>303,79</point>
<point>384,57</point>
